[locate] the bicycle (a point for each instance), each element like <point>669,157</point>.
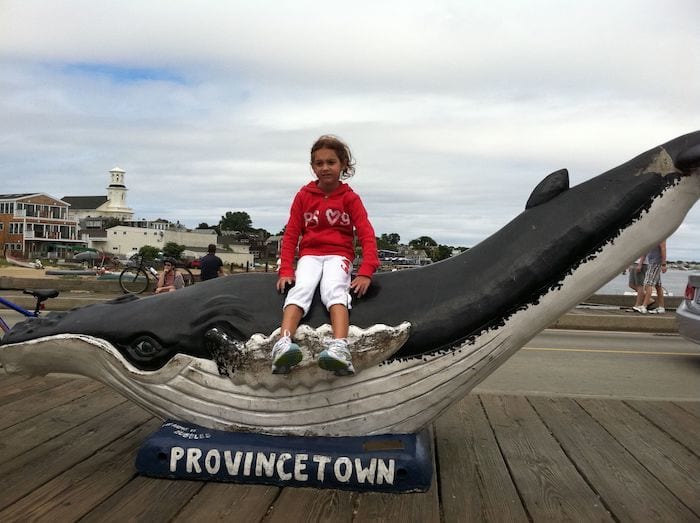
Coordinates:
<point>136,278</point>
<point>41,296</point>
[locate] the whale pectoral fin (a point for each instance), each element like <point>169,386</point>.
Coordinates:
<point>553,185</point>
<point>688,159</point>
<point>227,353</point>
<point>372,346</point>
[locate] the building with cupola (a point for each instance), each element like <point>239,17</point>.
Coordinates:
<point>94,212</point>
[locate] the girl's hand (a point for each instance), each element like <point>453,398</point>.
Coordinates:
<point>360,285</point>
<point>283,282</point>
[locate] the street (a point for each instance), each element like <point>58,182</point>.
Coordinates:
<point>618,365</point>
<point>621,365</point>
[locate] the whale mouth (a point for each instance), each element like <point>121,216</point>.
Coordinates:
<point>243,363</point>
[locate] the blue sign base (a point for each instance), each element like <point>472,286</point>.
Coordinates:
<point>386,463</point>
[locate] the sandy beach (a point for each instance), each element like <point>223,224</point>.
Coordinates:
<point>23,272</point>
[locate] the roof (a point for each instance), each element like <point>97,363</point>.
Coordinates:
<point>15,196</point>
<point>84,202</point>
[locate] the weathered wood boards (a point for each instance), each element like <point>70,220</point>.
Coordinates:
<point>498,458</point>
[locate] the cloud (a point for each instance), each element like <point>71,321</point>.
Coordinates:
<point>455,110</point>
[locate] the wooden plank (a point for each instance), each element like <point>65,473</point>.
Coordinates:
<point>145,499</point>
<point>26,386</point>
<point>693,407</point>
<point>307,504</point>
<point>229,502</point>
<point>33,468</point>
<point>670,462</point>
<point>34,404</point>
<point>10,383</point>
<point>78,490</point>
<point>673,420</point>
<point>550,486</point>
<point>474,481</point>
<point>23,436</point>
<point>423,507</point>
<point>629,491</point>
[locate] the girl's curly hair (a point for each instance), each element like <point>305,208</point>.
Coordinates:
<point>328,141</point>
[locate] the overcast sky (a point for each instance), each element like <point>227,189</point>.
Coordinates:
<point>454,110</point>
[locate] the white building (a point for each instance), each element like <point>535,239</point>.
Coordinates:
<point>111,206</point>
<point>124,240</point>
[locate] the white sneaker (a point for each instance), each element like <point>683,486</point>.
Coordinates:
<point>641,309</point>
<point>336,358</point>
<point>285,354</point>
<point>658,310</point>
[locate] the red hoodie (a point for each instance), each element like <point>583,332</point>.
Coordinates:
<point>325,224</point>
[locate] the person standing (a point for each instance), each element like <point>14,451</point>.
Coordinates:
<point>657,265</point>
<point>211,265</point>
<point>637,273</point>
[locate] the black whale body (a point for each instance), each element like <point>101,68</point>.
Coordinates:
<point>446,302</point>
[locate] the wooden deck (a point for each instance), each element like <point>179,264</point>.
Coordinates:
<point>67,450</point>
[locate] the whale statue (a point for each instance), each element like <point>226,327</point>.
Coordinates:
<point>422,338</point>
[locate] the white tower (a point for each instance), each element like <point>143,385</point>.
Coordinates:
<point>116,191</point>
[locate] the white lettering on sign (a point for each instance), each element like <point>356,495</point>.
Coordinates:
<point>248,462</point>
<point>176,454</point>
<point>285,466</point>
<point>300,467</point>
<point>365,474</point>
<point>345,474</point>
<point>266,464</point>
<point>322,462</point>
<point>385,474</point>
<point>187,432</point>
<point>193,455</point>
<point>284,476</point>
<point>212,461</point>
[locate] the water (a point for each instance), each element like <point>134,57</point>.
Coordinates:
<point>674,281</point>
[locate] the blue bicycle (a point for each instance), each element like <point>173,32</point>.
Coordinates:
<point>41,296</point>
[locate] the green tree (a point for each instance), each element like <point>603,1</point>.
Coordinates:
<point>173,250</point>
<point>149,252</point>
<point>203,225</point>
<point>393,238</point>
<point>236,221</point>
<point>424,242</point>
<point>388,241</point>
<point>440,252</point>
<point>262,234</point>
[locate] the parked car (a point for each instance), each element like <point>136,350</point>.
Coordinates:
<point>688,312</point>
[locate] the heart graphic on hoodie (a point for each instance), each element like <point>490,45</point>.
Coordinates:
<point>332,216</point>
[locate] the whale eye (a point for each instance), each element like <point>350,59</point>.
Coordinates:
<point>146,352</point>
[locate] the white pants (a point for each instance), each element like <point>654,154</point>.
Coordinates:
<point>334,274</point>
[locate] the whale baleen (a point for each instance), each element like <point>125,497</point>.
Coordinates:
<point>425,336</point>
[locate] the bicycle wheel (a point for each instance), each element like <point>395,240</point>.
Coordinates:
<point>133,280</point>
<point>187,276</point>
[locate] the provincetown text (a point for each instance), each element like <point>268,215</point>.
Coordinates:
<point>285,466</point>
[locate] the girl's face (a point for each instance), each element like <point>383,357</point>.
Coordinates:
<point>327,168</point>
